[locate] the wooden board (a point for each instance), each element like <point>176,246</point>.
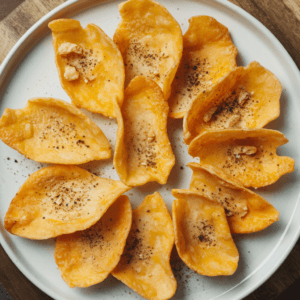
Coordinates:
<point>281,17</point>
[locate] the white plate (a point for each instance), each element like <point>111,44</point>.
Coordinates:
<point>29,71</point>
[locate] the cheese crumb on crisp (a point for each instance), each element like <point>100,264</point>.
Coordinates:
<point>81,59</point>
<point>67,48</point>
<point>89,77</point>
<point>209,114</point>
<point>244,96</point>
<point>248,150</point>
<point>71,73</point>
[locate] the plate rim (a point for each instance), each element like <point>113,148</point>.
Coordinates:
<point>69,4</point>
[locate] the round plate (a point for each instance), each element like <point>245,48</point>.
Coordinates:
<point>29,71</point>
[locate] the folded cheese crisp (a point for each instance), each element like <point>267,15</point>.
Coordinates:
<point>248,155</point>
<point>245,210</point>
<point>247,97</point>
<point>87,257</point>
<point>145,263</point>
<point>150,41</point>
<point>53,131</point>
<point>89,64</point>
<point>143,151</point>
<point>202,235</point>
<point>60,200</point>
<point>208,54</point>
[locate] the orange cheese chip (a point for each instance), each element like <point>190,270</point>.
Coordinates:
<point>89,64</point>
<point>60,200</point>
<point>150,41</point>
<point>208,54</point>
<point>87,257</point>
<point>202,234</point>
<point>248,155</point>
<point>247,97</point>
<point>143,151</point>
<point>246,211</point>
<point>145,263</point>
<point>53,131</point>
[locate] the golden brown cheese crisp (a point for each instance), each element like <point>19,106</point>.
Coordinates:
<point>145,263</point>
<point>150,41</point>
<point>247,97</point>
<point>245,210</point>
<point>60,200</point>
<point>208,54</point>
<point>248,155</point>
<point>50,130</point>
<point>202,235</point>
<point>87,257</point>
<point>143,151</point>
<point>89,64</point>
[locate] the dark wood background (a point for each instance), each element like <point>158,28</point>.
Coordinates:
<point>281,17</point>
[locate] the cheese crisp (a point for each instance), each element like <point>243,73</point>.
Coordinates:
<point>53,131</point>
<point>60,200</point>
<point>208,55</point>
<point>247,97</point>
<point>248,155</point>
<point>245,210</point>
<point>87,257</point>
<point>145,263</point>
<point>143,152</point>
<point>150,41</point>
<point>89,64</point>
<point>202,234</point>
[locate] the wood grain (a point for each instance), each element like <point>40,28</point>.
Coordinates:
<point>7,6</point>
<point>294,6</point>
<point>21,19</point>
<point>281,17</point>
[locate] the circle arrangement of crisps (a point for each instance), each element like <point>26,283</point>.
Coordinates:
<point>165,103</point>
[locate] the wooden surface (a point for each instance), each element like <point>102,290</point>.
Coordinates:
<point>281,17</point>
